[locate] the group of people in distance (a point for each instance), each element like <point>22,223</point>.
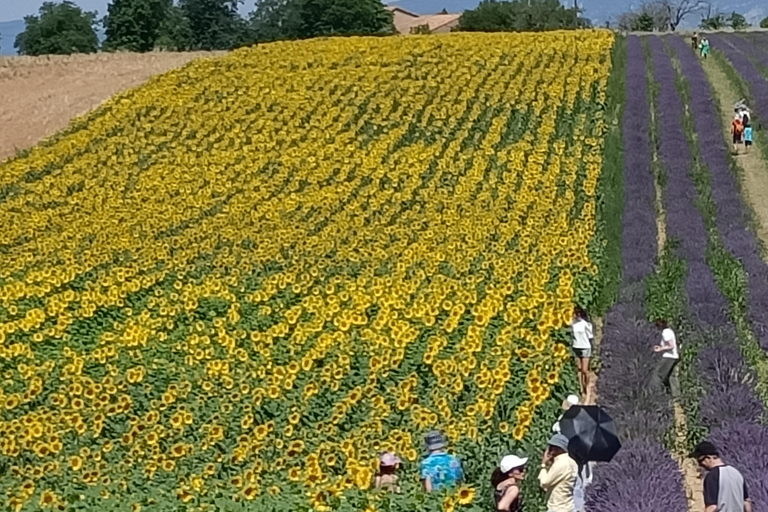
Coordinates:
<point>701,46</point>
<point>560,476</point>
<point>741,128</point>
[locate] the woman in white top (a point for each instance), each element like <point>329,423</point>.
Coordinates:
<point>582,346</point>
<point>670,355</point>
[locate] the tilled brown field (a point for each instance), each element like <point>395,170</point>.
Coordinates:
<point>41,95</point>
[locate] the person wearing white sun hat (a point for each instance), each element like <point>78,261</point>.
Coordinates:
<point>570,401</point>
<point>506,483</point>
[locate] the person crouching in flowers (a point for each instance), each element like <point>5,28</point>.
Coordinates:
<point>583,335</point>
<point>506,483</point>
<point>439,469</point>
<point>387,477</point>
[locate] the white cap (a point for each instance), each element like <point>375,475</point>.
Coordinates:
<point>572,399</point>
<point>510,462</point>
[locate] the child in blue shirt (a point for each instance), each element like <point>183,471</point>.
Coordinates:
<point>748,136</point>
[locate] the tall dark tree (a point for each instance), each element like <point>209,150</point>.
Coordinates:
<point>519,15</point>
<point>764,22</point>
<point>135,25</point>
<point>175,32</point>
<point>60,28</point>
<point>276,19</point>
<point>215,24</point>
<point>344,17</point>
<point>650,16</point>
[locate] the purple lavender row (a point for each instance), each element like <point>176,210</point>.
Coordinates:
<point>684,220</point>
<point>643,476</point>
<point>639,221</point>
<point>731,216</point>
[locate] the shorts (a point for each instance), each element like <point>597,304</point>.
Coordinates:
<point>736,139</point>
<point>582,352</point>
<point>747,143</point>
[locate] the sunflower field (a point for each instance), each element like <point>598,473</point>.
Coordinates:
<point>239,283</point>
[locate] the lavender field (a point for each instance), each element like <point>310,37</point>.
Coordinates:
<point>709,279</point>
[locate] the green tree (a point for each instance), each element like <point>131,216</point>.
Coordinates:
<point>764,23</point>
<point>519,15</point>
<point>344,17</point>
<point>276,19</point>
<point>713,22</point>
<point>175,32</point>
<point>135,25</point>
<point>60,29</point>
<point>643,23</point>
<point>737,21</point>
<point>215,24</point>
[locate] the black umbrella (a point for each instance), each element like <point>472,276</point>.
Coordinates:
<point>591,434</point>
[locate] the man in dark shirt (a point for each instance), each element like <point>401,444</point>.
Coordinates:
<point>724,487</point>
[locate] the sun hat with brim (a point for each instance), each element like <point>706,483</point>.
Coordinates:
<point>559,441</point>
<point>435,440</point>
<point>510,462</point>
<point>389,459</point>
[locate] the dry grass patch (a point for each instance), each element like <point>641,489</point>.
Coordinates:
<point>40,95</point>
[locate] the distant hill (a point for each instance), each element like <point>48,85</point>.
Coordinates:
<point>8,32</point>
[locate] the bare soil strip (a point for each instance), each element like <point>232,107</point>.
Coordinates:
<point>40,96</point>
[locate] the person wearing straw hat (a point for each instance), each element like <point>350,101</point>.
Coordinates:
<point>506,483</point>
<point>387,477</point>
<point>439,469</point>
<point>557,476</point>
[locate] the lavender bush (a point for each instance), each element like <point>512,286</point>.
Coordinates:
<point>739,51</point>
<point>639,220</point>
<point>684,221</point>
<point>642,477</point>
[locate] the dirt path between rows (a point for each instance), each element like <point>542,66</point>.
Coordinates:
<point>754,168</point>
<point>41,95</point>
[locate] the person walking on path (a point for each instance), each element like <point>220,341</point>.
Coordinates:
<point>747,137</point>
<point>704,46</point>
<point>724,487</point>
<point>506,481</point>
<point>695,41</point>
<point>737,130</point>
<point>583,334</point>
<point>670,354</point>
<point>557,476</point>
<point>439,469</point>
<point>387,477</point>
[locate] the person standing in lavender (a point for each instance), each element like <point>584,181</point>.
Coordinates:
<point>724,487</point>
<point>670,354</point>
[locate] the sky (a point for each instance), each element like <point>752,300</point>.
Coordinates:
<point>597,9</point>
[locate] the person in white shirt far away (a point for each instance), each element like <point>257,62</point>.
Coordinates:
<point>670,354</point>
<point>582,346</point>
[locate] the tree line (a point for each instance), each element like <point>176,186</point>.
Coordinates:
<point>181,25</point>
<point>663,15</point>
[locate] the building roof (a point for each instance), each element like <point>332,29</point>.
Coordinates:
<point>394,8</point>
<point>433,21</point>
